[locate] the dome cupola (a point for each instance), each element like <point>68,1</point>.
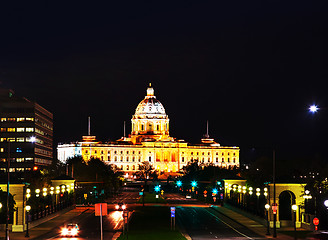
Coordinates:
<point>150,118</point>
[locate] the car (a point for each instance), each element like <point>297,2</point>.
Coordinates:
<point>188,196</point>
<point>70,230</point>
<point>120,206</point>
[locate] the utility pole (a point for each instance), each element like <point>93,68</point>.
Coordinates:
<point>274,195</point>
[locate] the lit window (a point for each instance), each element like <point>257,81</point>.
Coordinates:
<point>102,157</point>
<point>95,151</point>
<point>133,167</point>
<point>115,159</point>
<point>133,159</point>
<point>19,150</point>
<point>11,139</point>
<point>3,129</point>
<point>11,119</point>
<point>222,159</point>
<point>29,129</point>
<point>182,159</point>
<point>202,153</point>
<point>127,159</point>
<point>20,139</point>
<point>127,152</point>
<point>19,159</point>
<point>217,159</point>
<point>2,149</point>
<point>102,152</point>
<point>127,167</point>
<point>3,119</point>
<point>30,119</point>
<point>29,159</point>
<point>20,129</point>
<point>149,158</point>
<point>11,129</point>
<point>228,159</point>
<point>20,119</point>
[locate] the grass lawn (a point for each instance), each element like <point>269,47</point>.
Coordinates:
<point>300,234</point>
<point>152,223</point>
<point>151,198</point>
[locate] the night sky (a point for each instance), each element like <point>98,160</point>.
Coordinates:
<point>251,68</point>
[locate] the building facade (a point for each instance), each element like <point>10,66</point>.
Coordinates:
<point>26,133</point>
<point>150,141</point>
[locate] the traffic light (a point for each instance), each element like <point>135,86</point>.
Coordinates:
<point>157,188</point>
<point>179,183</point>
<point>35,168</point>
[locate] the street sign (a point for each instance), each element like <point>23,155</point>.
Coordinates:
<point>316,221</point>
<point>100,209</point>
<point>172,212</point>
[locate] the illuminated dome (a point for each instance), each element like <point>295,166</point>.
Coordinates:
<point>150,107</point>
<point>150,122</point>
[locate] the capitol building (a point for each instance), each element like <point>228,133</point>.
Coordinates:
<point>150,141</point>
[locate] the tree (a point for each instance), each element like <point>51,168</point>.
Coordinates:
<point>146,171</point>
<point>3,211</point>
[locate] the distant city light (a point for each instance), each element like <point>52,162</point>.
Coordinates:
<point>313,108</point>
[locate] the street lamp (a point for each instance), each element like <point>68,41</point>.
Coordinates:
<point>294,208</point>
<point>27,208</point>
<point>267,207</point>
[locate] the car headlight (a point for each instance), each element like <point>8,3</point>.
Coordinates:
<point>74,231</point>
<point>64,231</point>
<point>117,207</point>
<point>123,206</point>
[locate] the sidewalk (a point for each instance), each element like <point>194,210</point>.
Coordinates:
<point>44,225</point>
<point>251,224</point>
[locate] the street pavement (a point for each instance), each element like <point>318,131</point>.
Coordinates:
<point>43,226</point>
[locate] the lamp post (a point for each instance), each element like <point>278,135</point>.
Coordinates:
<point>8,180</point>
<point>27,208</point>
<point>294,208</point>
<point>267,207</point>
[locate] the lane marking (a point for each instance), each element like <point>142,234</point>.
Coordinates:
<point>228,224</point>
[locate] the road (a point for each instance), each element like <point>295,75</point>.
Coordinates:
<point>205,223</point>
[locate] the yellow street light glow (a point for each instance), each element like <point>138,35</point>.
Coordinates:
<point>250,189</point>
<point>258,189</point>
<point>267,206</point>
<point>265,189</point>
<point>257,194</point>
<point>51,192</point>
<point>0,205</point>
<point>250,192</point>
<point>63,190</point>
<point>265,194</point>
<point>294,207</point>
<point>244,187</point>
<point>44,189</point>
<point>244,191</point>
<point>28,190</point>
<point>52,188</point>
<point>44,193</point>
<point>37,190</point>
<point>63,186</point>
<point>28,208</point>
<point>28,195</point>
<point>57,191</point>
<point>57,187</point>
